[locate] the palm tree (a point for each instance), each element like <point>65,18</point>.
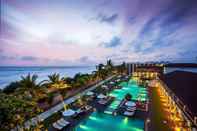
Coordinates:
<point>128,96</point>
<point>101,71</point>
<point>99,67</point>
<point>80,80</point>
<point>11,87</point>
<point>54,79</point>
<point>109,64</point>
<point>29,87</point>
<point>29,82</point>
<point>67,80</point>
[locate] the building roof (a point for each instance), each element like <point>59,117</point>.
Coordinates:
<point>184,85</point>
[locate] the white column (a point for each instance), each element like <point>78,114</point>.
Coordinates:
<point>133,68</point>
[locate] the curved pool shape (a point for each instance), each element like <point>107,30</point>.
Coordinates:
<point>98,121</point>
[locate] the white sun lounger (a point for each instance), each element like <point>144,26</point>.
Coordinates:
<point>103,102</point>
<point>57,126</point>
<point>62,122</point>
<point>126,113</point>
<point>131,108</point>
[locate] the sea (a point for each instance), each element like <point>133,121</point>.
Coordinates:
<point>188,69</point>
<point>10,74</point>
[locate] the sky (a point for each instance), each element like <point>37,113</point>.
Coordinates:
<point>88,32</point>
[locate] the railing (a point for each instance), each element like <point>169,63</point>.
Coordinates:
<point>186,112</point>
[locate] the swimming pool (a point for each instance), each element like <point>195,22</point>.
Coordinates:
<point>138,94</point>
<point>98,121</point>
<point>105,122</point>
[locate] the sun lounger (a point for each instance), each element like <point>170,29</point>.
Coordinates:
<point>62,122</point>
<point>80,111</point>
<point>57,126</point>
<point>87,108</point>
<point>127,113</point>
<point>102,102</point>
<point>131,108</point>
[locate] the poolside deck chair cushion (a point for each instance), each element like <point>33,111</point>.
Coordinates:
<point>129,113</point>
<point>62,123</point>
<point>57,126</point>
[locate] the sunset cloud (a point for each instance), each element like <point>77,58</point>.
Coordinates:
<point>78,32</point>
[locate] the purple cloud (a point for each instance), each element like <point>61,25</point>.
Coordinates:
<point>70,32</point>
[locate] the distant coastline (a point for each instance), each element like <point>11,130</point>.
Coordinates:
<point>182,65</point>
<point>9,74</point>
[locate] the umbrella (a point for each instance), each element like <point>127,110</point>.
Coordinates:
<point>68,112</point>
<point>101,96</point>
<point>130,103</point>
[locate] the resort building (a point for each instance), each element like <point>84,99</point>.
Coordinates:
<point>172,90</point>
<point>145,99</point>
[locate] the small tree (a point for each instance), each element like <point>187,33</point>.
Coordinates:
<point>128,96</point>
<point>11,87</point>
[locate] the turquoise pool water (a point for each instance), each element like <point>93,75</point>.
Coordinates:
<point>105,122</point>
<point>138,93</point>
<point>98,121</point>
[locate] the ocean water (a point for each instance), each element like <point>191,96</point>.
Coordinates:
<point>9,74</point>
<point>171,69</point>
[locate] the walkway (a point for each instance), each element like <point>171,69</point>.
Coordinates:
<point>51,111</point>
<point>157,114</point>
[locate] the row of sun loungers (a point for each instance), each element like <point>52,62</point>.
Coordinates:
<point>103,100</point>
<point>83,109</point>
<point>60,124</point>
